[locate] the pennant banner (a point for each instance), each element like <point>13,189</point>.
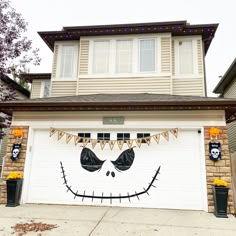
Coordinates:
<point>120,143</point>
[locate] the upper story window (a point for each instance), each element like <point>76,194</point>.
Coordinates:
<point>101,57</point>
<point>45,88</point>
<point>186,57</point>
<point>123,56</point>
<point>67,61</point>
<point>147,55</point>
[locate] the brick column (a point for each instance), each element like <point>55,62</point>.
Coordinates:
<point>10,165</point>
<point>218,169</point>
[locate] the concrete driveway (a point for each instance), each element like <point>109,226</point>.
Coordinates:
<point>112,221</point>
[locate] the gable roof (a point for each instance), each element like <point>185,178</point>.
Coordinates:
<point>122,102</point>
<point>228,77</point>
<point>15,85</point>
<point>176,28</point>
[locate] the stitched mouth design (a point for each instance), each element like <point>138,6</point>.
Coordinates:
<point>93,196</point>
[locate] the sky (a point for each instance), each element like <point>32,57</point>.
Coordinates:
<point>51,15</point>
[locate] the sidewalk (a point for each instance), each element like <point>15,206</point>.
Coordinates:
<point>112,221</point>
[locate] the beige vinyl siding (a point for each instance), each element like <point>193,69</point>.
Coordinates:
<point>84,55</point>
<point>193,86</point>
<point>54,65</point>
<point>165,54</point>
<point>230,92</point>
<point>124,85</point>
<point>232,136</point>
<point>199,57</point>
<point>173,57</point>
<point>36,89</point>
<point>63,88</point>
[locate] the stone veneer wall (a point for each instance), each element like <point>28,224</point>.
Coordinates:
<point>220,169</point>
<point>9,164</point>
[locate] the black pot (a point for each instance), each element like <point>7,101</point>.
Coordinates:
<point>220,200</point>
<point>14,188</point>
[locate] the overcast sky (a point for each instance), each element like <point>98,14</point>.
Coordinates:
<point>47,15</point>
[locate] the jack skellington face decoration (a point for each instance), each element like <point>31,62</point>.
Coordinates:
<point>91,163</point>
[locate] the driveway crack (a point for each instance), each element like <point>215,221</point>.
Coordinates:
<point>99,222</point>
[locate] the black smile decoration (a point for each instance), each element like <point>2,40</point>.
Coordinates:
<point>93,196</point>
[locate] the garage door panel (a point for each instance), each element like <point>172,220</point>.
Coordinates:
<point>179,184</point>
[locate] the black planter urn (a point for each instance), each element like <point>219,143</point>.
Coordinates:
<point>14,188</point>
<point>220,200</point>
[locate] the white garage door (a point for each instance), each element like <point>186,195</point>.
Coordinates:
<point>178,185</point>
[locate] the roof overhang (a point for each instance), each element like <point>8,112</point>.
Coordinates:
<point>176,28</point>
<point>228,77</point>
<point>29,77</point>
<point>228,106</point>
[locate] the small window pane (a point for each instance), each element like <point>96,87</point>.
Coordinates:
<point>123,136</point>
<point>84,135</point>
<point>103,136</point>
<point>186,57</point>
<point>46,88</point>
<point>67,59</point>
<point>143,135</point>
<point>101,57</point>
<point>147,55</point>
<point>124,56</point>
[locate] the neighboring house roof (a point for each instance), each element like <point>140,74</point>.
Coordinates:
<point>176,28</point>
<point>15,85</point>
<point>228,77</point>
<point>121,102</point>
<point>34,76</point>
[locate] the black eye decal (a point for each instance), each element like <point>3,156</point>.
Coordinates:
<point>89,160</point>
<point>125,160</point>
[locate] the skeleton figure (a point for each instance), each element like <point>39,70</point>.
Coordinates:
<point>15,152</point>
<point>215,151</point>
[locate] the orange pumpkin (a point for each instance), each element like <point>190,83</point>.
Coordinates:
<point>18,133</point>
<point>214,132</point>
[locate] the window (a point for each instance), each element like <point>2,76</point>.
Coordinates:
<point>142,136</point>
<point>147,55</point>
<point>123,56</point>
<point>101,57</point>
<point>123,136</point>
<point>185,57</point>
<point>103,136</point>
<point>67,61</point>
<point>46,88</point>
<point>84,135</point>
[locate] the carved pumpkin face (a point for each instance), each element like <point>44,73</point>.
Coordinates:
<point>17,133</point>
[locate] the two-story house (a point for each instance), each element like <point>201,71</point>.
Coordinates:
<point>123,119</point>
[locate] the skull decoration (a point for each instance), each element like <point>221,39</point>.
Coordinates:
<point>15,152</point>
<point>215,151</point>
